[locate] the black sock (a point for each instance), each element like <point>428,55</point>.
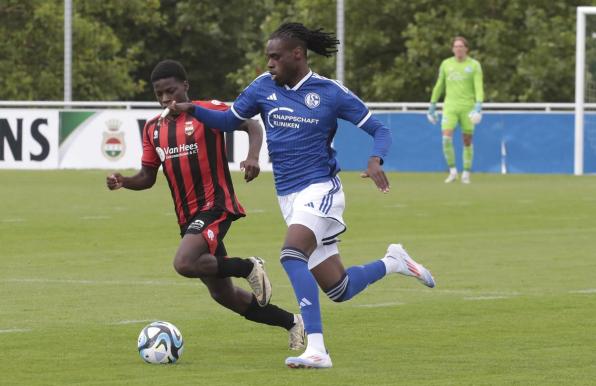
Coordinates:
<point>233,266</point>
<point>270,314</point>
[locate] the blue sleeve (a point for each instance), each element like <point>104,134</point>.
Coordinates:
<point>221,120</point>
<point>381,135</point>
<point>246,105</point>
<point>352,109</point>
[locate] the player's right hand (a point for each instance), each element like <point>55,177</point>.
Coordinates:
<point>251,169</point>
<point>114,181</point>
<point>431,115</point>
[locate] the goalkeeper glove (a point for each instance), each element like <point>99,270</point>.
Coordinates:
<point>431,115</point>
<point>476,114</point>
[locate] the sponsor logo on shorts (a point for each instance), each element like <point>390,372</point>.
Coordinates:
<point>196,225</point>
<point>210,235</point>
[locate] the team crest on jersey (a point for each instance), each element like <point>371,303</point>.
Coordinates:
<point>468,69</point>
<point>113,146</point>
<point>189,128</point>
<point>312,100</point>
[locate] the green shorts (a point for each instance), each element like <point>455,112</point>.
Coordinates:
<point>454,115</point>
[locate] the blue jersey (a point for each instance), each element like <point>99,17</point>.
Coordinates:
<point>300,123</point>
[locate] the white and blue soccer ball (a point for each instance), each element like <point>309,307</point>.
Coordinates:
<point>160,342</point>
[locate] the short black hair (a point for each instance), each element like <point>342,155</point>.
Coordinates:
<point>322,43</point>
<point>168,69</point>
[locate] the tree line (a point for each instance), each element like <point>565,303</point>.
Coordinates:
<point>393,48</point>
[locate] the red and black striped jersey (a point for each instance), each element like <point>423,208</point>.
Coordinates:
<point>194,162</point>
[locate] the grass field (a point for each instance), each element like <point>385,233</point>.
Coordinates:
<point>82,270</point>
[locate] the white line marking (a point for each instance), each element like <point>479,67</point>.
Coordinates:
<point>497,233</point>
<point>457,203</point>
<point>101,282</point>
<point>11,330</point>
<point>13,220</point>
<point>487,297</point>
<point>450,291</point>
<point>380,305</point>
<point>257,211</point>
<point>584,291</point>
<point>96,217</point>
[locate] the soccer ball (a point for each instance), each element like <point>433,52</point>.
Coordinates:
<point>160,342</point>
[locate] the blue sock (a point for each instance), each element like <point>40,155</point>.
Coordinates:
<point>305,288</point>
<point>357,278</point>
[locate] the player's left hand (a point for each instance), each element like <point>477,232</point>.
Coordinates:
<point>251,169</point>
<point>375,172</point>
<point>476,114</point>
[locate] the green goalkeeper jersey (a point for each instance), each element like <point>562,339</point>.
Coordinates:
<point>461,81</point>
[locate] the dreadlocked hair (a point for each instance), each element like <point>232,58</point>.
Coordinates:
<point>322,43</point>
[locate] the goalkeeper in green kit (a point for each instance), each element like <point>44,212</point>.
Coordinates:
<point>460,77</point>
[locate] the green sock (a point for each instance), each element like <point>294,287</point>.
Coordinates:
<point>448,151</point>
<point>468,156</point>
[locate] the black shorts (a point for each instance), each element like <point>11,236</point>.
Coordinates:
<point>213,225</point>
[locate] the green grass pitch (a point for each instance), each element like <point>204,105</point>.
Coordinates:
<point>83,269</point>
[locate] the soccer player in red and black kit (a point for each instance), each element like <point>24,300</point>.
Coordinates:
<point>193,159</point>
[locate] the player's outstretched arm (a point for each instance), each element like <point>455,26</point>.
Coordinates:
<point>144,179</point>
<point>250,165</point>
<point>382,142</point>
<point>220,120</point>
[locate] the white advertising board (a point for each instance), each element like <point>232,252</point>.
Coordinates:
<point>29,138</point>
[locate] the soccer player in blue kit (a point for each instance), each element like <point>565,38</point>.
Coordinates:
<point>299,109</point>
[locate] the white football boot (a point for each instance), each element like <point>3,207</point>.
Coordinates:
<point>310,359</point>
<point>397,260</point>
<point>451,177</point>
<point>259,282</point>
<point>297,338</point>
<point>465,177</point>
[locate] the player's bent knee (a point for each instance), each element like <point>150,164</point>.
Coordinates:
<point>185,266</point>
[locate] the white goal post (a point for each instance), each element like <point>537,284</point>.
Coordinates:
<point>580,83</point>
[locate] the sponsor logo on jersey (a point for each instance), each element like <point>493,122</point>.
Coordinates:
<point>113,146</point>
<point>455,75</point>
<point>312,100</point>
<point>181,150</point>
<point>272,97</point>
<point>281,117</point>
<point>189,128</point>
